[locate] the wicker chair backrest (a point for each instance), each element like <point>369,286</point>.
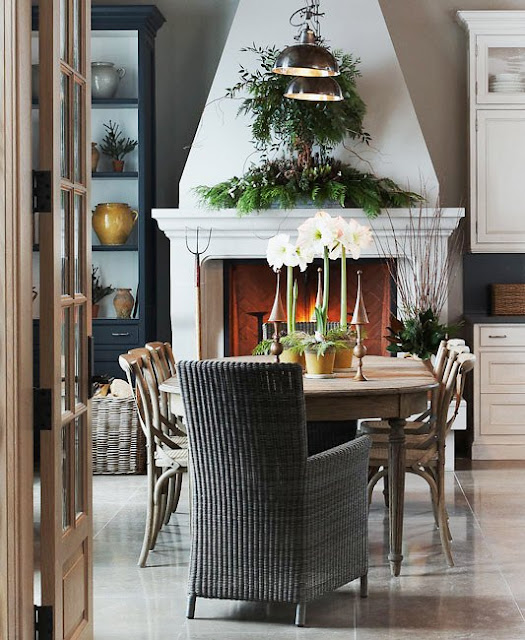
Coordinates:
<point>247,429</point>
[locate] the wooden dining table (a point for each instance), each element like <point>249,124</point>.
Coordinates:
<point>395,389</point>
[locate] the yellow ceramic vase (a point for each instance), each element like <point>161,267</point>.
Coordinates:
<point>322,365</point>
<point>294,358</point>
<point>343,358</point>
<point>113,222</point>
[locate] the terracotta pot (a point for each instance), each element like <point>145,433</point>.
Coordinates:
<point>118,166</point>
<point>95,157</point>
<point>294,358</point>
<point>113,222</point>
<point>322,365</point>
<point>95,308</point>
<point>343,358</point>
<point>123,302</point>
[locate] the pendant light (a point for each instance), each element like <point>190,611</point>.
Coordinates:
<point>306,58</point>
<point>312,64</point>
<point>314,90</point>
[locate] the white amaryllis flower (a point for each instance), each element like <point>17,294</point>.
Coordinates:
<point>353,237</point>
<point>318,232</point>
<point>281,252</point>
<point>305,254</point>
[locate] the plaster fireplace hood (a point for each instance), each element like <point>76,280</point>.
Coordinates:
<point>222,148</point>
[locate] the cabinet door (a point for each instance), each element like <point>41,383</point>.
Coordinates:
<point>502,372</point>
<point>500,64</point>
<point>500,170</point>
<point>502,414</point>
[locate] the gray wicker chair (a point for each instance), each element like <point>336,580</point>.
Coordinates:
<point>268,523</point>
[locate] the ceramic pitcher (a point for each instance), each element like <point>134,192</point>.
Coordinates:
<point>105,79</point>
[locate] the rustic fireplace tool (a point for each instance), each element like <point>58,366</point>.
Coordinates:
<point>359,318</point>
<point>198,252</point>
<point>277,316</point>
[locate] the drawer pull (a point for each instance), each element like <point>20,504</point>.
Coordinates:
<point>503,336</point>
<point>120,335</point>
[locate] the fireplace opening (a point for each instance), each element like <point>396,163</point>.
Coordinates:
<point>249,291</point>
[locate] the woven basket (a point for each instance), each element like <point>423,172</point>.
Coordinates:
<point>508,299</point>
<point>118,441</point>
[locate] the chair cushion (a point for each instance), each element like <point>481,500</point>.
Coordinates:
<point>379,456</point>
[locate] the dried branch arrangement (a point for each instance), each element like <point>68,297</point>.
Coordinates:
<point>422,271</point>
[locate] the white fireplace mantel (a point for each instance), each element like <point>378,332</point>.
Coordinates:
<point>247,237</point>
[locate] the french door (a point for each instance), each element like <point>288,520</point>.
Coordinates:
<point>65,317</point>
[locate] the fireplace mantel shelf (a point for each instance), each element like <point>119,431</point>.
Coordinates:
<point>227,224</point>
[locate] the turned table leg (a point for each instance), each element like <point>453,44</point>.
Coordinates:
<point>396,480</point>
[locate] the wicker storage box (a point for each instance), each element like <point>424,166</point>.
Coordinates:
<point>118,440</point>
<point>508,299</point>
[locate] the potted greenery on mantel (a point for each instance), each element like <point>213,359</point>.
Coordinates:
<point>297,139</point>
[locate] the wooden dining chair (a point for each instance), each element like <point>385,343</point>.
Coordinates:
<point>425,452</point>
<point>421,424</point>
<point>165,458</point>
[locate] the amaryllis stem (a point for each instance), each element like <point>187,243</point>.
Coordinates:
<point>290,320</point>
<point>326,291</point>
<point>343,321</point>
<point>295,295</point>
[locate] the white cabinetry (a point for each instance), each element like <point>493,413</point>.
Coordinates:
<point>497,129</point>
<point>499,392</point>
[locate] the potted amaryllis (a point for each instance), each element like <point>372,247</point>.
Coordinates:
<point>331,238</point>
<point>282,253</point>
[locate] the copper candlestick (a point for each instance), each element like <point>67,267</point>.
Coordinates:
<point>276,317</point>
<point>359,318</point>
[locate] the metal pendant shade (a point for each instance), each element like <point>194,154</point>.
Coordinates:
<point>307,59</point>
<point>314,90</point>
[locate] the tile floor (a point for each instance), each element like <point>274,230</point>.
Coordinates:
<point>482,598</point>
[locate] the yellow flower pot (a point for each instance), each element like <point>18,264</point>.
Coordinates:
<point>294,358</point>
<point>113,222</point>
<point>320,365</point>
<point>343,358</point>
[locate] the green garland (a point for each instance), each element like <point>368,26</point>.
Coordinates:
<point>284,184</point>
<point>304,133</point>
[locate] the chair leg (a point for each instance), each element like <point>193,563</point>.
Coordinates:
<point>364,586</point>
<point>386,494</point>
<point>300,614</point>
<point>444,532</point>
<point>169,501</point>
<point>150,519</point>
<point>190,607</point>
<point>176,493</point>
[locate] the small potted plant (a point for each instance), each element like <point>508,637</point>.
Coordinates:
<point>98,291</point>
<point>281,252</point>
<point>116,146</point>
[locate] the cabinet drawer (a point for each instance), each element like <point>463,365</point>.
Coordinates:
<point>502,335</point>
<point>502,414</point>
<point>502,372</point>
<point>116,334</point>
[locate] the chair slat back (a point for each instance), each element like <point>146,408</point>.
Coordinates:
<point>160,360</point>
<point>141,377</point>
<point>452,387</point>
<point>441,358</point>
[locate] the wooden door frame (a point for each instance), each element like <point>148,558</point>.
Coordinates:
<point>16,338</point>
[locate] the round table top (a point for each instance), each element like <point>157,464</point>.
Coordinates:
<point>384,376</point>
